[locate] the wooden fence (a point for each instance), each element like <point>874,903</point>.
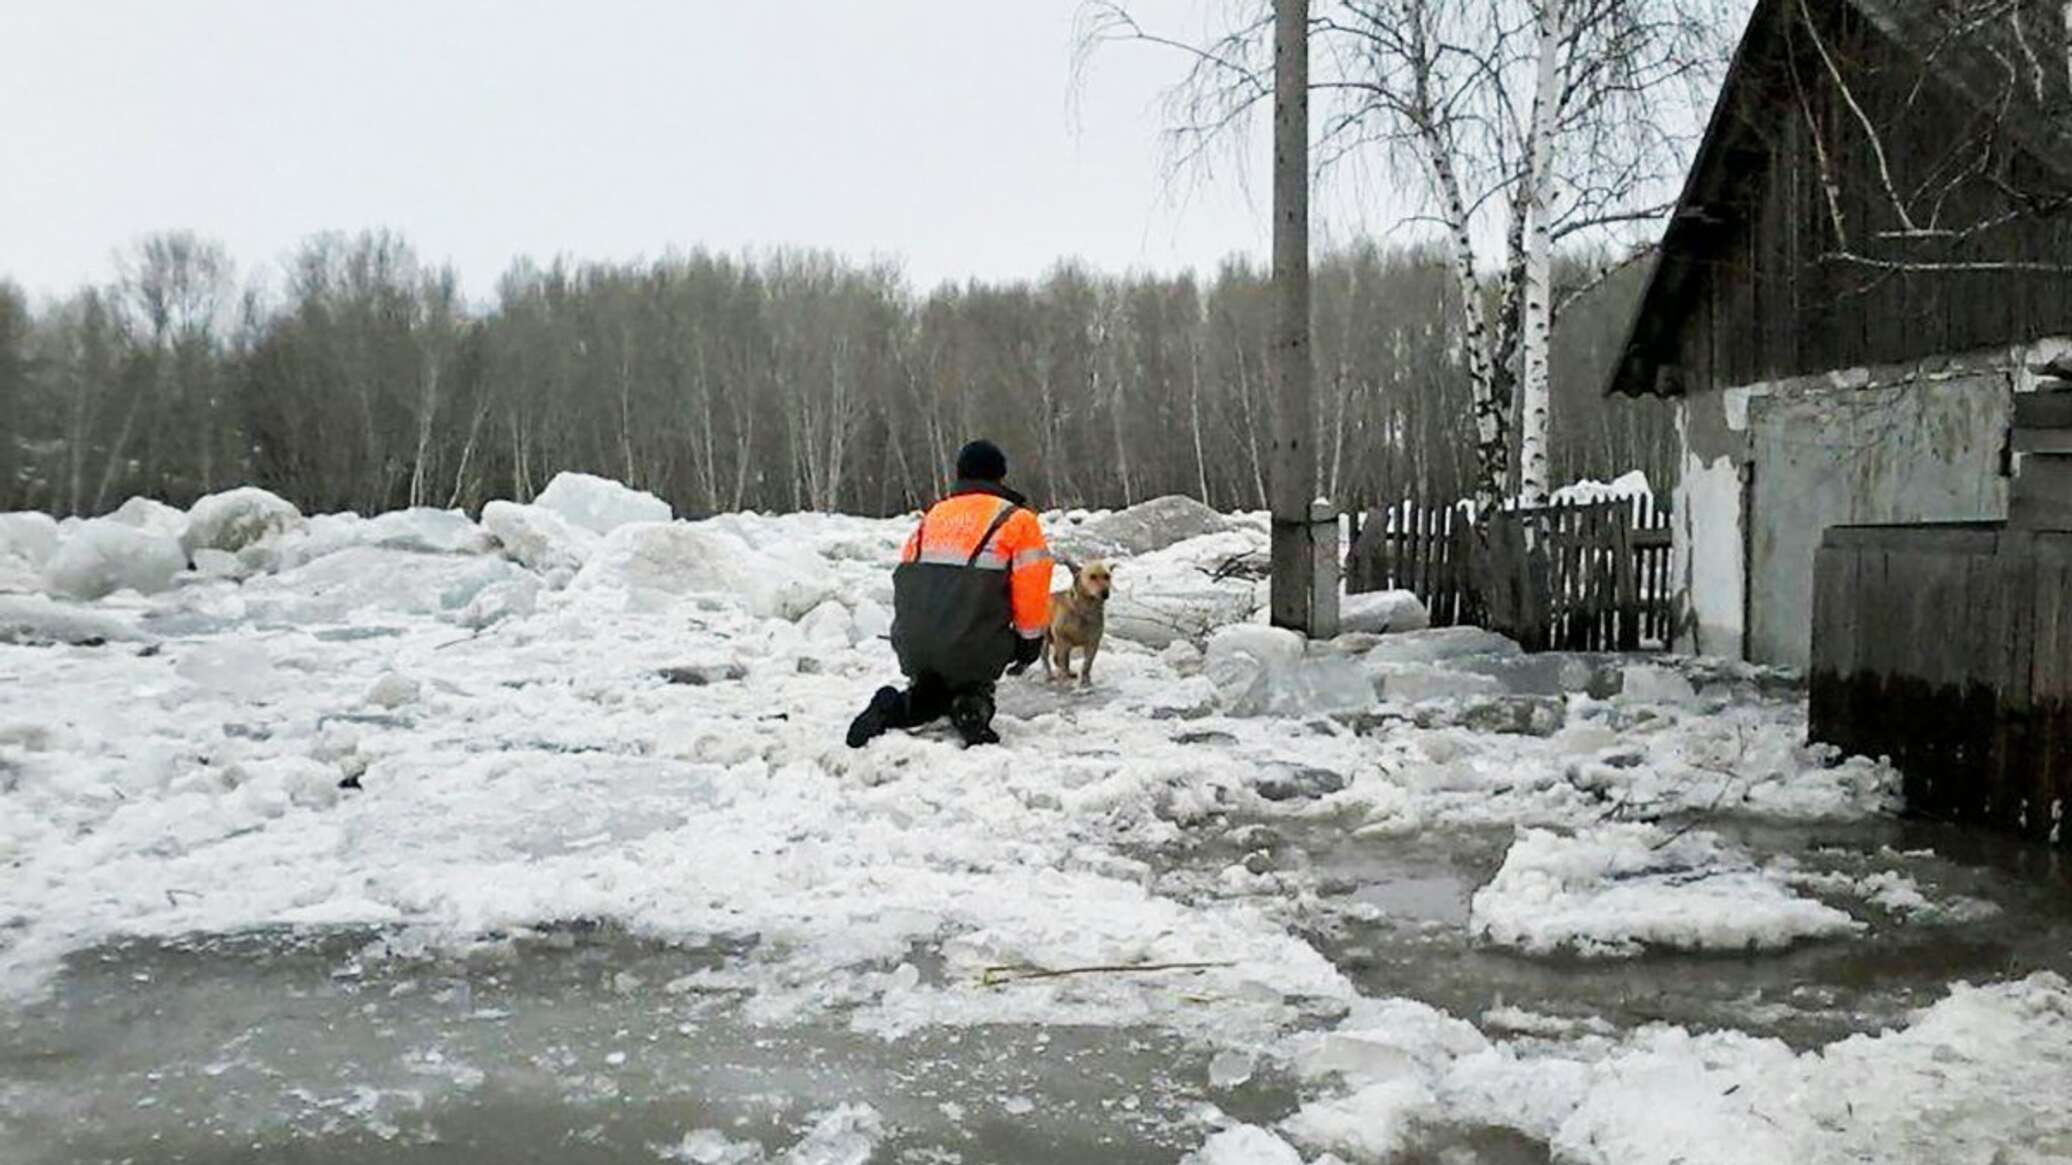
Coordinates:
<point>1948,648</point>
<point>1588,576</point>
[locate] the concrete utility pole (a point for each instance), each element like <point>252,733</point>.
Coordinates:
<point>1305,535</point>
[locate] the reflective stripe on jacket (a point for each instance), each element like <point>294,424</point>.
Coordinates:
<point>972,576</point>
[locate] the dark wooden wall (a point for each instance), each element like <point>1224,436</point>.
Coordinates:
<point>1764,296</point>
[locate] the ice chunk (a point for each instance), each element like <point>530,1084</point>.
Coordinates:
<point>828,625</point>
<point>1244,1145</point>
<point>600,505</point>
<point>1186,590</point>
<point>29,536</point>
<point>681,559</point>
<point>36,620</point>
<point>1230,1068</point>
<point>318,536</point>
<point>1261,644</point>
<point>238,518</point>
<point>505,599</point>
<point>336,586</point>
<point>711,1147</point>
<point>102,556</point>
<point>845,1135</point>
<point>1379,611</point>
<point>427,531</point>
<point>1651,684</point>
<point>872,621</point>
<point>1320,686</point>
<point>269,787</point>
<point>1389,1039</point>
<point>1615,889</point>
<point>538,538</point>
<point>219,564</point>
<point>1440,644</point>
<point>1373,1124</point>
<point>1141,529</point>
<point>1262,671</point>
<point>151,516</point>
<point>1237,656</point>
<point>393,690</point>
<point>1412,683</point>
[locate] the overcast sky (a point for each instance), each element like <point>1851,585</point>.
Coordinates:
<point>946,133</point>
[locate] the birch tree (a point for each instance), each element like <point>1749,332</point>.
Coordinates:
<point>1537,122</point>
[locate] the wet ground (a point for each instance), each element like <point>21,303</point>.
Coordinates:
<point>583,1045</point>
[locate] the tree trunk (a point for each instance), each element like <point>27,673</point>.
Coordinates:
<point>1535,397</point>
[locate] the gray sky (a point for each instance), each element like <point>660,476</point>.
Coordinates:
<point>941,132</point>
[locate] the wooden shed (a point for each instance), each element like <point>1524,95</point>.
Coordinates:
<point>1873,249</point>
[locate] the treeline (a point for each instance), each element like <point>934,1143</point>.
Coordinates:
<point>793,380</point>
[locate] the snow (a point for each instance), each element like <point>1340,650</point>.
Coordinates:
<point>1977,1077</point>
<point>655,747</point>
<point>598,504</point>
<point>36,619</point>
<point>102,556</point>
<point>1631,484</point>
<point>1612,890</point>
<point>237,519</point>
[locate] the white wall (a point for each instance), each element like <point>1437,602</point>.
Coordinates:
<point>1706,554</point>
<point>1713,428</point>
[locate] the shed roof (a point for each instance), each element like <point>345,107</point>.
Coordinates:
<point>1971,62</point>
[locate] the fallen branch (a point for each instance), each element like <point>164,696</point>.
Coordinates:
<point>995,976</point>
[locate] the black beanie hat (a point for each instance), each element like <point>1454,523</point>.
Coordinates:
<point>981,460</point>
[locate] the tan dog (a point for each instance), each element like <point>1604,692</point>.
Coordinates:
<point>1077,618</point>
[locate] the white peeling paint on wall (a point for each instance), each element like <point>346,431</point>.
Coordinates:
<point>1706,551</point>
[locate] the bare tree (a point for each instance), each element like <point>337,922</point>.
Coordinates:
<point>1539,122</point>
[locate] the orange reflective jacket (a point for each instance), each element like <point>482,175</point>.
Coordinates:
<point>954,527</point>
<point>973,577</point>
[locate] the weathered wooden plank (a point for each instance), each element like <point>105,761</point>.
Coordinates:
<point>2043,409</point>
<point>2040,496</point>
<point>2042,441</point>
<point>2049,765</point>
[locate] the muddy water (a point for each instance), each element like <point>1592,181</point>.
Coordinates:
<point>273,1050</point>
<point>280,1049</point>
<point>1808,995</point>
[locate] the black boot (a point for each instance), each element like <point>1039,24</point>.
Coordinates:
<point>971,714</point>
<point>882,713</point>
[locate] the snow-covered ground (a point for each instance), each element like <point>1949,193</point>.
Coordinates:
<point>579,714</point>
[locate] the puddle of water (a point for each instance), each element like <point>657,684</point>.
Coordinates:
<point>270,1049</point>
<point>283,1048</point>
<point>1808,995</point>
